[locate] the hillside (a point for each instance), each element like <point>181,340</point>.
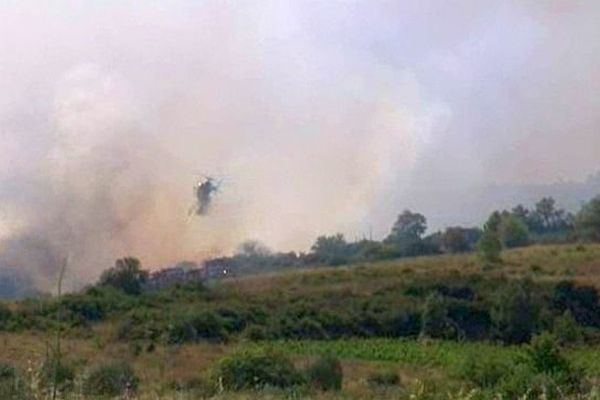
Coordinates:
<point>369,315</point>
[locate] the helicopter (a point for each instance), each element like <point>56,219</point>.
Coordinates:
<point>204,192</point>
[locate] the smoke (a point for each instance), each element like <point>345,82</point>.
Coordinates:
<point>319,117</point>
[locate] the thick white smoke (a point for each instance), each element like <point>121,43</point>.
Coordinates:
<point>319,117</point>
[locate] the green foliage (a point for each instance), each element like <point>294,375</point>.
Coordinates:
<point>513,232</point>
<point>587,221</point>
<point>256,333</point>
<point>127,275</point>
<point>406,234</point>
<point>383,378</point>
<point>138,326</point>
<point>435,322</point>
<point>7,371</point>
<point>325,373</point>
<point>256,369</point>
<point>489,246</point>
<point>566,330</point>
<point>192,327</point>
<point>515,312</point>
<point>484,372</point>
<point>331,250</point>
<point>5,316</point>
<point>457,239</point>
<point>12,387</point>
<point>545,356</point>
<point>54,372</point>
<point>303,328</point>
<point>110,379</point>
<point>581,301</point>
<point>196,387</point>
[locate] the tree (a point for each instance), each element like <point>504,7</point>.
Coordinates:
<point>453,240</point>
<point>407,232</point>
<point>456,239</point>
<point>489,244</point>
<point>127,275</point>
<point>545,209</point>
<point>546,218</point>
<point>332,250</point>
<point>254,248</point>
<point>587,221</point>
<point>521,212</point>
<point>493,222</point>
<point>513,232</point>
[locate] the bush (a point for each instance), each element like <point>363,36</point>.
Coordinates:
<point>304,328</point>
<point>256,333</point>
<point>325,373</point>
<point>483,372</point>
<point>11,385</point>
<point>383,379</point>
<point>580,301</point>
<point>515,312</point>
<point>435,322</point>
<point>489,247</point>
<point>110,379</point>
<point>195,327</point>
<point>57,373</point>
<point>566,330</point>
<point>517,384</point>
<point>5,316</point>
<point>7,371</point>
<point>255,370</point>
<point>545,356</point>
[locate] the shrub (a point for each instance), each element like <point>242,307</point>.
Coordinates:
<point>256,333</point>
<point>11,385</point>
<point>434,318</point>
<point>304,328</point>
<point>197,326</point>
<point>7,371</point>
<point>325,373</point>
<point>489,247</point>
<point>515,312</point>
<point>566,330</point>
<point>580,301</point>
<point>484,372</point>
<point>554,371</point>
<point>587,221</point>
<point>256,369</point>
<point>383,378</point>
<point>545,356</point>
<point>517,384</point>
<point>110,379</point>
<point>5,316</point>
<point>54,372</point>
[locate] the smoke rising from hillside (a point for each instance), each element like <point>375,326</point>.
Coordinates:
<point>320,117</point>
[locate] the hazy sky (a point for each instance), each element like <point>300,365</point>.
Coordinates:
<point>319,116</point>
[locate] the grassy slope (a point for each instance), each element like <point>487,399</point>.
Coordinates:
<point>413,360</point>
<point>539,262</point>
